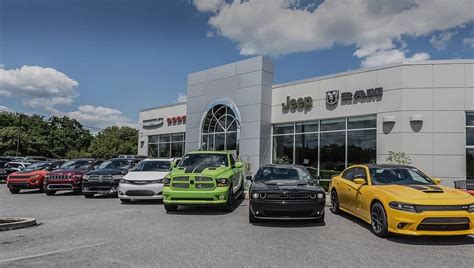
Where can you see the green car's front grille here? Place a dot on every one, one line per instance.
(204, 179)
(180, 185)
(196, 183)
(204, 186)
(180, 179)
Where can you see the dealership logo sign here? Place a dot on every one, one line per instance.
(153, 123)
(332, 96)
(300, 103)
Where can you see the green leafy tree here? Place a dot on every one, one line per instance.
(67, 135)
(113, 141)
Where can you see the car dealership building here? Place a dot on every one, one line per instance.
(329, 122)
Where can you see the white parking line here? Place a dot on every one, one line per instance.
(50, 253)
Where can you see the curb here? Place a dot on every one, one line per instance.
(17, 224)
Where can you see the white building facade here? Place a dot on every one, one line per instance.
(330, 122)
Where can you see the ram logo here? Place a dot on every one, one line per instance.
(332, 97)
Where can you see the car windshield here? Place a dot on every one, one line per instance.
(208, 160)
(77, 164)
(116, 164)
(37, 166)
(15, 165)
(266, 174)
(399, 176)
(152, 165)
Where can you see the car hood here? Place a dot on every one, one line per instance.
(293, 186)
(107, 171)
(145, 175)
(204, 171)
(30, 173)
(68, 171)
(426, 194)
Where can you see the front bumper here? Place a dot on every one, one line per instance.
(104, 187)
(64, 185)
(217, 196)
(24, 183)
(140, 192)
(433, 223)
(287, 209)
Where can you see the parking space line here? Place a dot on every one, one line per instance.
(50, 253)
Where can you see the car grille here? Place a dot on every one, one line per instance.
(140, 193)
(203, 179)
(444, 224)
(294, 213)
(180, 179)
(99, 177)
(141, 182)
(423, 208)
(59, 177)
(199, 183)
(294, 196)
(20, 177)
(60, 186)
(180, 185)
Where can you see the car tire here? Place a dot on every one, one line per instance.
(125, 201)
(14, 191)
(88, 195)
(252, 218)
(49, 192)
(171, 208)
(242, 191)
(41, 189)
(378, 220)
(229, 205)
(335, 203)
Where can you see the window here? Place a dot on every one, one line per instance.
(327, 145)
(166, 145)
(470, 144)
(219, 129)
(360, 173)
(348, 174)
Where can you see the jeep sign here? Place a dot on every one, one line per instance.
(300, 103)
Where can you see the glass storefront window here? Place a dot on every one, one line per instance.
(283, 149)
(283, 129)
(361, 146)
(305, 127)
(333, 124)
(333, 153)
(322, 144)
(470, 162)
(306, 149)
(166, 145)
(470, 144)
(362, 122)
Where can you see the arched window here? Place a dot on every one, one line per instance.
(220, 129)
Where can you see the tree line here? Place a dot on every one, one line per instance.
(61, 137)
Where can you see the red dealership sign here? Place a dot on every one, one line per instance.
(176, 120)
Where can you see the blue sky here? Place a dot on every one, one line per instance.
(101, 61)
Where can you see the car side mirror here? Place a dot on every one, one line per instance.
(359, 181)
(239, 165)
(437, 180)
(249, 178)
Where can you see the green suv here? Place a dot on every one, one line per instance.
(204, 178)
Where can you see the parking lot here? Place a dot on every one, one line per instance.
(74, 231)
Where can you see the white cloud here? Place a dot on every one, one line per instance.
(38, 86)
(98, 116)
(276, 27)
(182, 97)
(440, 42)
(5, 109)
(2, 66)
(208, 5)
(382, 57)
(468, 41)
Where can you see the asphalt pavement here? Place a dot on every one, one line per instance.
(101, 232)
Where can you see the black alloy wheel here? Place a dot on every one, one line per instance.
(378, 220)
(335, 203)
(49, 192)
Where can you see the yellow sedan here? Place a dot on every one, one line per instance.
(402, 200)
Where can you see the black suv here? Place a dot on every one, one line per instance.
(105, 179)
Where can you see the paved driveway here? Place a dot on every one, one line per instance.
(74, 231)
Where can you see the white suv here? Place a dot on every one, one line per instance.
(145, 180)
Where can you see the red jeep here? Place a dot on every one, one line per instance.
(31, 177)
(69, 176)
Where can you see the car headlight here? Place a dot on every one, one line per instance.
(124, 181)
(255, 195)
(471, 208)
(117, 177)
(165, 181)
(402, 206)
(222, 182)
